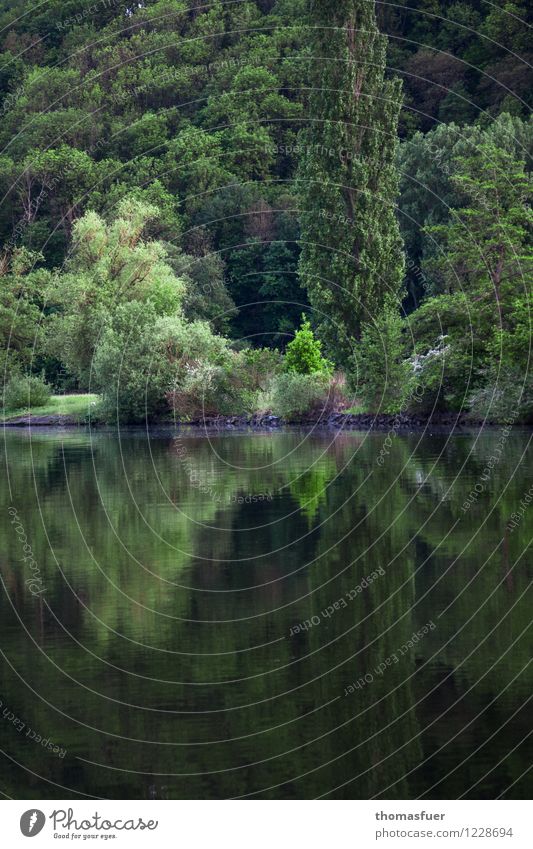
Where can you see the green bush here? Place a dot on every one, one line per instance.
(26, 392)
(296, 396)
(131, 367)
(507, 396)
(145, 366)
(449, 354)
(379, 372)
(260, 366)
(203, 389)
(304, 353)
(222, 382)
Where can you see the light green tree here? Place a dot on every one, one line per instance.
(110, 264)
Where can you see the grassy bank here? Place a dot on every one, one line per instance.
(74, 406)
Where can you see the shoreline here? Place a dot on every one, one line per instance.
(338, 421)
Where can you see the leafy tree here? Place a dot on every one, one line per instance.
(486, 246)
(304, 353)
(206, 296)
(22, 290)
(111, 264)
(429, 193)
(351, 261)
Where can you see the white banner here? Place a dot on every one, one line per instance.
(267, 824)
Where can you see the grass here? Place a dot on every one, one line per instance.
(75, 406)
(357, 408)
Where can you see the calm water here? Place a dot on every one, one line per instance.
(152, 642)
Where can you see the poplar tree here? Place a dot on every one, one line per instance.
(352, 260)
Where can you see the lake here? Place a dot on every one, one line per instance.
(287, 614)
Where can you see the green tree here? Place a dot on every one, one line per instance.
(304, 353)
(21, 303)
(111, 264)
(476, 336)
(486, 246)
(351, 261)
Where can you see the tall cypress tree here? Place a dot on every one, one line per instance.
(352, 260)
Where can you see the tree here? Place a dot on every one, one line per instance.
(351, 261)
(485, 268)
(111, 264)
(21, 303)
(429, 194)
(486, 246)
(304, 353)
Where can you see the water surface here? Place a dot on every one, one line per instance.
(270, 615)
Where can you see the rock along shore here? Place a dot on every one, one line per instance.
(337, 421)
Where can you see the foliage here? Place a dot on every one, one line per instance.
(485, 262)
(22, 289)
(143, 358)
(130, 366)
(430, 193)
(26, 391)
(295, 396)
(232, 383)
(206, 296)
(379, 372)
(506, 395)
(351, 261)
(304, 352)
(448, 354)
(154, 163)
(485, 248)
(111, 265)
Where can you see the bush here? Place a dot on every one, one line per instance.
(296, 396)
(379, 372)
(226, 383)
(26, 391)
(131, 367)
(505, 396)
(260, 365)
(304, 353)
(146, 365)
(447, 342)
(439, 378)
(204, 389)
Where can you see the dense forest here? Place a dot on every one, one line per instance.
(283, 206)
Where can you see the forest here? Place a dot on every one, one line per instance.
(287, 207)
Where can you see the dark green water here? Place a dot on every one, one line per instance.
(147, 635)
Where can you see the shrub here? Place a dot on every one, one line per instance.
(131, 366)
(505, 396)
(226, 383)
(194, 393)
(439, 377)
(379, 372)
(260, 365)
(304, 353)
(296, 396)
(146, 365)
(451, 343)
(26, 391)
(204, 389)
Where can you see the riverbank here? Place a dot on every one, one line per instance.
(59, 411)
(75, 411)
(338, 421)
